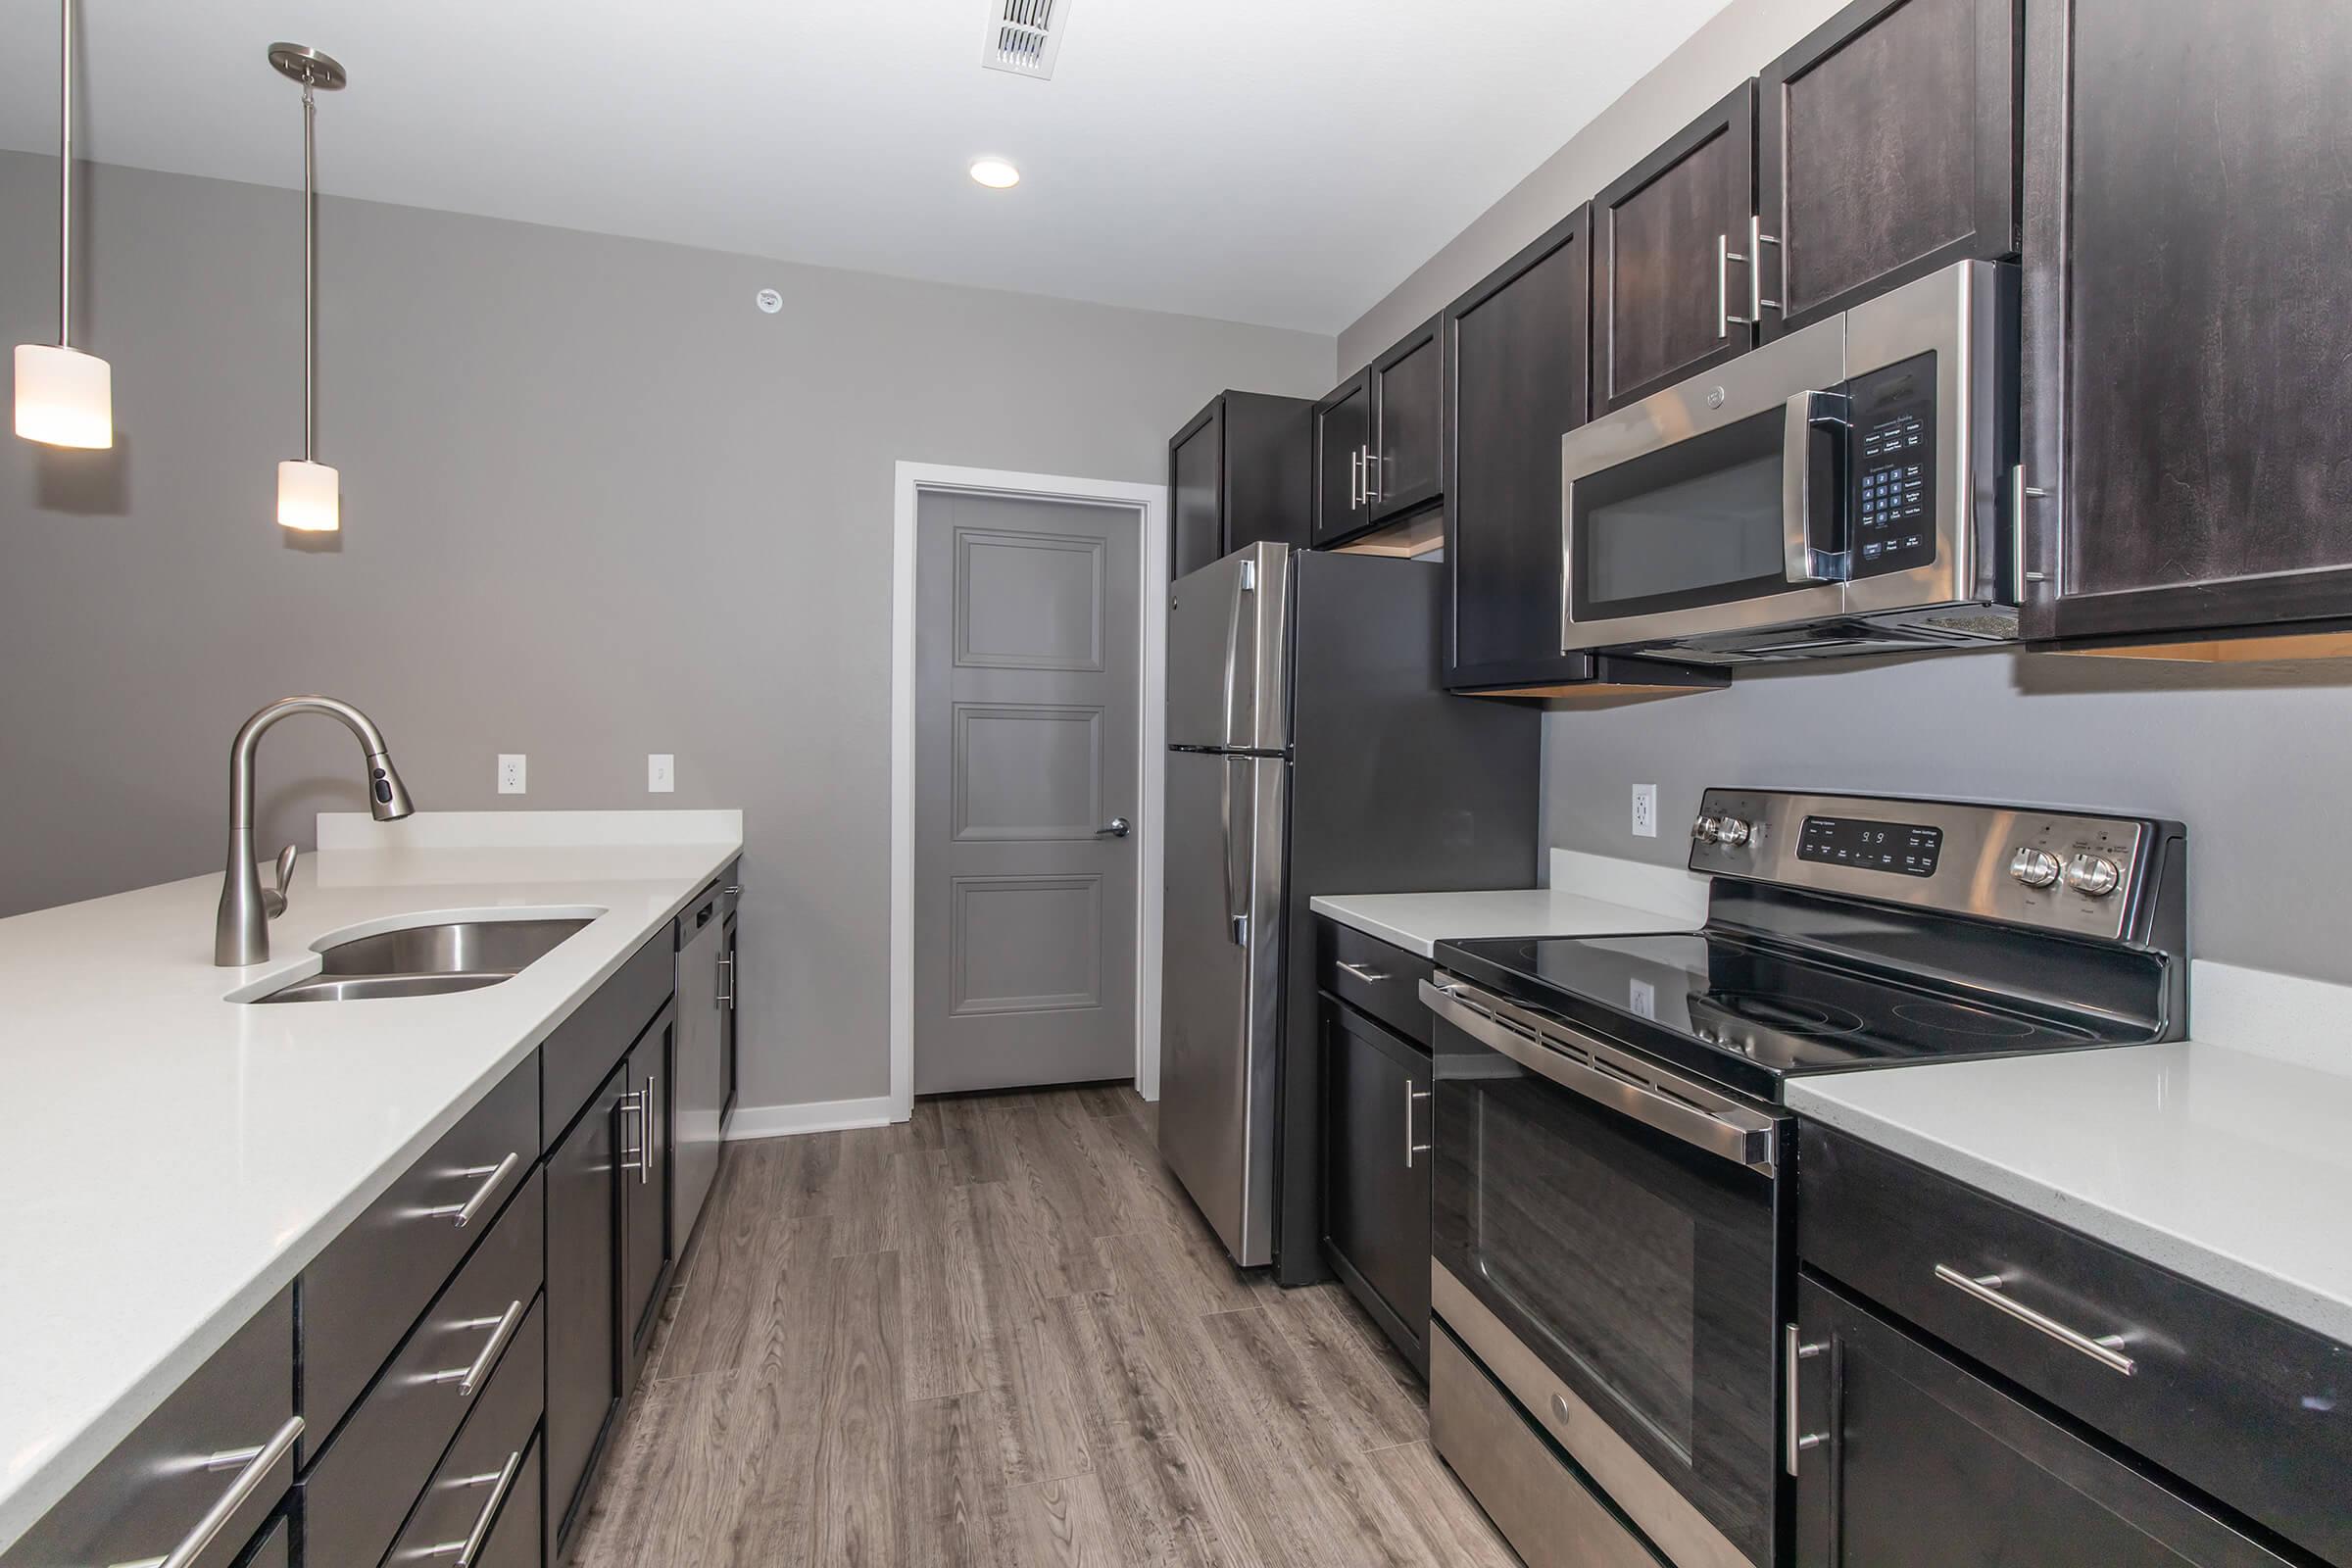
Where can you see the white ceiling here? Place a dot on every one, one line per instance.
(1287, 162)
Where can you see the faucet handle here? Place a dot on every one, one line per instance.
(274, 899)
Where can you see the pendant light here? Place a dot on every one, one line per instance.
(309, 493)
(64, 397)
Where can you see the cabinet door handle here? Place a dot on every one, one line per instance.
(1793, 1352)
(493, 1178)
(1725, 256)
(465, 1553)
(2106, 1350)
(645, 1129)
(632, 1157)
(1412, 1097)
(470, 1377)
(1371, 481)
(1356, 478)
(253, 1468)
(1757, 239)
(726, 998)
(1370, 977)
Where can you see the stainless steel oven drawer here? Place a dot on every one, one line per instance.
(1375, 976)
(156, 1492)
(1544, 1508)
(358, 1491)
(2253, 1410)
(485, 1492)
(361, 1294)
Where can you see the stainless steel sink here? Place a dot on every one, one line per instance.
(429, 960)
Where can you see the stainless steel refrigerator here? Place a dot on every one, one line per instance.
(1311, 751)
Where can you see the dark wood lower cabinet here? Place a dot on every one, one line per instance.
(645, 1240)
(1915, 1458)
(583, 1301)
(1376, 1172)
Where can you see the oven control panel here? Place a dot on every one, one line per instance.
(1893, 463)
(2087, 875)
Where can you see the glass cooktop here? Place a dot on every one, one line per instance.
(1749, 1013)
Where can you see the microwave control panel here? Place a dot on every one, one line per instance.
(1894, 468)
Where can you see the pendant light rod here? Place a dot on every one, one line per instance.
(309, 269)
(65, 176)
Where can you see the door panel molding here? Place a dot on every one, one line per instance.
(1040, 716)
(969, 652)
(1148, 500)
(968, 891)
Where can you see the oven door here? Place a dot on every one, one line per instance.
(1714, 506)
(1606, 1238)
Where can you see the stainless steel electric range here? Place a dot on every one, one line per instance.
(1613, 1261)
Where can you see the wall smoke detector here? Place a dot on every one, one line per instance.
(1025, 36)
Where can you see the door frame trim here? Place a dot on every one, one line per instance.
(1150, 503)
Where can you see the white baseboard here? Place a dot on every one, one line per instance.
(818, 1116)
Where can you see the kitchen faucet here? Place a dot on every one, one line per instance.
(241, 935)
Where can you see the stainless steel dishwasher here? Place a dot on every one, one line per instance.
(697, 1088)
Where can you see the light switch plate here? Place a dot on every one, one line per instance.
(1645, 810)
(510, 774)
(661, 773)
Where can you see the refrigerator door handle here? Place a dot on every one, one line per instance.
(1237, 920)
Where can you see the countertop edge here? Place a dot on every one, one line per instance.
(1595, 916)
(2183, 1254)
(25, 1501)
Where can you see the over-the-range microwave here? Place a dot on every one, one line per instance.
(1844, 489)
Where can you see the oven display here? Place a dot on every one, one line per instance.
(1905, 847)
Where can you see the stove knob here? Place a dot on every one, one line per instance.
(1703, 829)
(2093, 875)
(1731, 830)
(2035, 868)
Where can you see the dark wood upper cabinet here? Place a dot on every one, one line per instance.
(1520, 346)
(1342, 440)
(1238, 474)
(1672, 262)
(1887, 149)
(2188, 352)
(1408, 400)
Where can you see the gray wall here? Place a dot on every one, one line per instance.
(596, 504)
(1735, 45)
(2254, 761)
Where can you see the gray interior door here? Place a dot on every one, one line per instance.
(1026, 714)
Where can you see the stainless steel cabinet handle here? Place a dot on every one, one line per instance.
(469, 1552)
(1356, 478)
(645, 1130)
(733, 889)
(1370, 977)
(493, 1178)
(726, 998)
(470, 1377)
(1371, 485)
(1757, 239)
(256, 1465)
(1793, 1352)
(1412, 1097)
(632, 1157)
(1725, 320)
(2106, 1350)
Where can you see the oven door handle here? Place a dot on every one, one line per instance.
(1677, 1107)
(1814, 439)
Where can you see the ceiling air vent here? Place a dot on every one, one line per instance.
(1024, 37)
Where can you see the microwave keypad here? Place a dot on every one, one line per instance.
(1894, 525)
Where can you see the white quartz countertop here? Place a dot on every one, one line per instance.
(1590, 896)
(2229, 1165)
(174, 1158)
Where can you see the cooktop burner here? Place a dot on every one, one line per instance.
(1749, 1011)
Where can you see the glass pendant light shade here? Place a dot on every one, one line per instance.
(310, 497)
(64, 397)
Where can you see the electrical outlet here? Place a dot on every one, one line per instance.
(1645, 810)
(661, 773)
(510, 774)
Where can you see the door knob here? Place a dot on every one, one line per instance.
(1115, 828)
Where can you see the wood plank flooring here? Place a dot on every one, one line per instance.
(998, 1336)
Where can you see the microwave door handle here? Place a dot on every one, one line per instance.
(1810, 547)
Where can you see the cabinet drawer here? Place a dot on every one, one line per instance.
(359, 1298)
(486, 1488)
(576, 1058)
(148, 1497)
(358, 1491)
(1383, 980)
(2244, 1405)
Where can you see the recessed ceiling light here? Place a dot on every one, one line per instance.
(995, 174)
